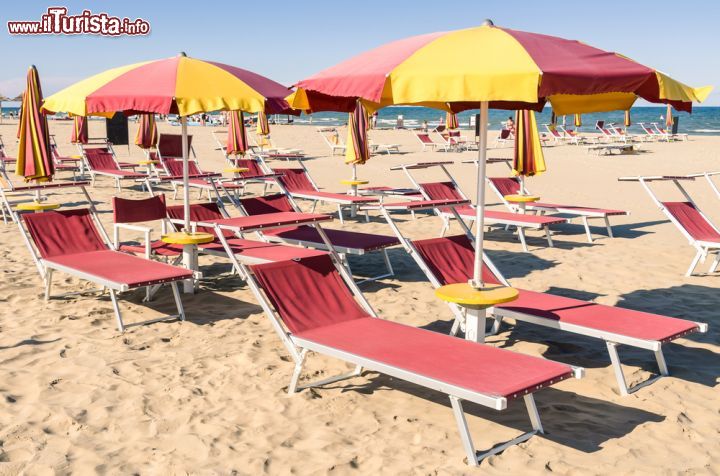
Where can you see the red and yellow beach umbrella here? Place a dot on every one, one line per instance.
(357, 149)
(147, 134)
(451, 120)
(79, 133)
(528, 159)
(34, 161)
(237, 137)
(178, 85)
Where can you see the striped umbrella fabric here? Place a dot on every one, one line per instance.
(628, 119)
(578, 120)
(357, 150)
(237, 137)
(263, 127)
(553, 118)
(451, 120)
(147, 135)
(34, 161)
(79, 133)
(669, 117)
(528, 159)
(510, 69)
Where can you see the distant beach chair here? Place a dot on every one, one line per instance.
(672, 135)
(332, 138)
(100, 161)
(504, 136)
(73, 242)
(650, 132)
(336, 320)
(266, 145)
(387, 148)
(574, 136)
(427, 142)
(449, 190)
(695, 226)
(557, 136)
(608, 134)
(503, 186)
(343, 241)
(6, 161)
(449, 260)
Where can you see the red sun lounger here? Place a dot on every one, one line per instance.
(315, 309)
(344, 242)
(503, 186)
(103, 163)
(695, 226)
(68, 241)
(449, 260)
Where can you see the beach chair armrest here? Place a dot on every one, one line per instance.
(147, 231)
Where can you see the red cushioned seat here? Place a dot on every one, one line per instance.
(478, 368)
(157, 247)
(121, 268)
(340, 238)
(297, 182)
(578, 209)
(262, 250)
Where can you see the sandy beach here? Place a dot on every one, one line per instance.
(207, 396)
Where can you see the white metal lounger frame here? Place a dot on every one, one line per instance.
(47, 267)
(341, 250)
(703, 248)
(299, 348)
(447, 216)
(339, 146)
(6, 203)
(612, 340)
(584, 215)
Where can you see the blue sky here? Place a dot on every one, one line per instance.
(287, 41)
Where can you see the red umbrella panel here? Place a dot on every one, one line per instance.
(237, 136)
(80, 130)
(34, 161)
(147, 135)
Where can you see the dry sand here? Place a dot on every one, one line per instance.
(207, 395)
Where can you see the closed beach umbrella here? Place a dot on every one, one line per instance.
(237, 137)
(490, 67)
(178, 85)
(147, 135)
(451, 120)
(628, 121)
(578, 120)
(80, 130)
(357, 150)
(528, 159)
(263, 128)
(33, 160)
(669, 117)
(553, 118)
(20, 98)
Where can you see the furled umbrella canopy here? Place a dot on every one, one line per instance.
(147, 135)
(357, 150)
(628, 119)
(34, 161)
(451, 120)
(79, 133)
(237, 136)
(528, 159)
(578, 120)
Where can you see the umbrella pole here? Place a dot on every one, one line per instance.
(186, 173)
(476, 282)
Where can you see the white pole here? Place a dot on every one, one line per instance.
(476, 282)
(186, 173)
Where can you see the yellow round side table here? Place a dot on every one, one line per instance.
(38, 207)
(521, 200)
(353, 183)
(476, 301)
(189, 242)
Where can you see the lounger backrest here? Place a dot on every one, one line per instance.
(425, 138)
(174, 167)
(94, 151)
(134, 211)
(441, 191)
(451, 259)
(308, 293)
(102, 161)
(295, 180)
(200, 212)
(692, 221)
(268, 204)
(506, 185)
(63, 232)
(252, 166)
(170, 145)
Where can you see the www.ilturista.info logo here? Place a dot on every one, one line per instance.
(57, 22)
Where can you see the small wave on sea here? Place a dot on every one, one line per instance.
(706, 131)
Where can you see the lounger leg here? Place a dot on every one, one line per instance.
(521, 235)
(445, 226)
(178, 301)
(117, 185)
(694, 263)
(533, 413)
(587, 229)
(340, 214)
(48, 283)
(116, 308)
(548, 235)
(388, 264)
(497, 321)
(292, 388)
(467, 442)
(662, 365)
(715, 263)
(615, 359)
(609, 228)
